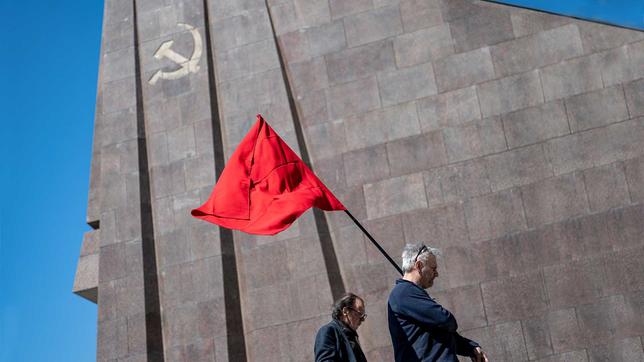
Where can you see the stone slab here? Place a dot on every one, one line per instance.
(395, 195)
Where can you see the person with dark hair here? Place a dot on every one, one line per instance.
(421, 329)
(337, 341)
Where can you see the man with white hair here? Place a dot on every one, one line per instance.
(420, 328)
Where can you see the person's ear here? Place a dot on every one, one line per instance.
(418, 265)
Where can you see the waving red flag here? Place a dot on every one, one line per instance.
(264, 187)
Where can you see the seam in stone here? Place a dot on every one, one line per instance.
(545, 290)
(583, 180)
(628, 184)
(487, 321)
(628, 110)
(523, 210)
(287, 322)
(525, 344)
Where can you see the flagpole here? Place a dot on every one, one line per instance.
(375, 242)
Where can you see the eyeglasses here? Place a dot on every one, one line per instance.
(423, 248)
(363, 316)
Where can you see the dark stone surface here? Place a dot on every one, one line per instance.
(511, 139)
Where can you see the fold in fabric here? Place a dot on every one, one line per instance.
(264, 187)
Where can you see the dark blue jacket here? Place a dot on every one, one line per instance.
(335, 342)
(421, 329)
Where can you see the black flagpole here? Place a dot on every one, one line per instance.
(375, 242)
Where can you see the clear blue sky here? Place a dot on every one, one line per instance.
(626, 13)
(49, 52)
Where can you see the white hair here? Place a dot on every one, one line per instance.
(410, 255)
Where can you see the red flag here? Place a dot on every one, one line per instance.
(264, 187)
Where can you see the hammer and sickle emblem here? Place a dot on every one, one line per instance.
(187, 65)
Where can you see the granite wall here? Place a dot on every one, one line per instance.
(513, 140)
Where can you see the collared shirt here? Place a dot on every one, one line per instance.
(421, 329)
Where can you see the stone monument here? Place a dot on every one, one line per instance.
(511, 139)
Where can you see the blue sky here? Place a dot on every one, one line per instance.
(49, 55)
(626, 13)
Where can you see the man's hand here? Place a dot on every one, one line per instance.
(479, 355)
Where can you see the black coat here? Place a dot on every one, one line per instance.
(333, 343)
